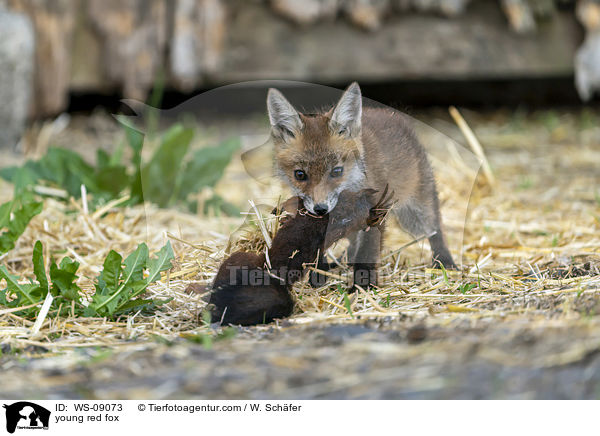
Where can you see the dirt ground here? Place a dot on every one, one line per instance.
(520, 320)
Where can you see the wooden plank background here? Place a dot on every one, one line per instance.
(123, 45)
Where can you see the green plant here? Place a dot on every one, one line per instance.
(445, 274)
(15, 215)
(550, 119)
(525, 183)
(207, 339)
(117, 288)
(67, 170)
(168, 178)
(348, 305)
(387, 302)
(121, 282)
(466, 287)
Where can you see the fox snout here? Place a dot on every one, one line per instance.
(322, 206)
(321, 209)
(318, 209)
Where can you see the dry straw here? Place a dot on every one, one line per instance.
(527, 251)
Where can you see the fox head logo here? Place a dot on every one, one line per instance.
(319, 155)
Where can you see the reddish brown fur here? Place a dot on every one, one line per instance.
(316, 151)
(379, 142)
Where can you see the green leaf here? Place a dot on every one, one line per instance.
(116, 158)
(111, 272)
(118, 286)
(161, 176)
(133, 274)
(161, 302)
(22, 293)
(5, 210)
(144, 304)
(23, 215)
(135, 263)
(102, 159)
(135, 304)
(17, 225)
(8, 173)
(135, 140)
(63, 279)
(69, 171)
(206, 167)
(160, 263)
(112, 180)
(23, 178)
(216, 204)
(105, 160)
(69, 265)
(347, 304)
(445, 274)
(38, 266)
(170, 176)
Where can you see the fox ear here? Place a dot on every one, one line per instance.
(346, 117)
(285, 121)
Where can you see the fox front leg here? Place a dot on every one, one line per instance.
(366, 257)
(316, 279)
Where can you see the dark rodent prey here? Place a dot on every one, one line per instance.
(247, 292)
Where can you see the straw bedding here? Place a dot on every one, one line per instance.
(530, 247)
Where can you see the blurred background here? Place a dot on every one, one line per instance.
(73, 55)
(66, 67)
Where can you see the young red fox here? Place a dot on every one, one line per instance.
(353, 148)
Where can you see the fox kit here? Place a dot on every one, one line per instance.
(351, 147)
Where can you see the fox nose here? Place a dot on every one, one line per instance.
(320, 209)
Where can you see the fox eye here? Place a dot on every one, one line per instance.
(337, 171)
(300, 175)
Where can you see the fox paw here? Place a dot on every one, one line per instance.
(444, 261)
(365, 276)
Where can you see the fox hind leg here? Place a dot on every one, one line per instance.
(441, 254)
(419, 220)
